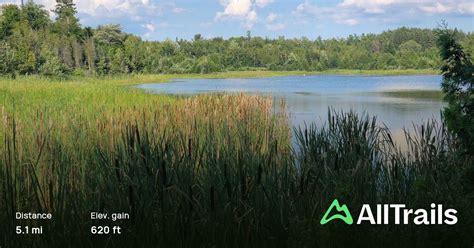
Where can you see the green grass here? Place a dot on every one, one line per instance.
(25, 96)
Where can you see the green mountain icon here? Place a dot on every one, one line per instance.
(346, 216)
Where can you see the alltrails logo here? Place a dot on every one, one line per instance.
(347, 217)
(401, 215)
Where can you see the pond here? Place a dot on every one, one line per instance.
(397, 101)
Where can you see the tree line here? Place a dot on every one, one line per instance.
(31, 42)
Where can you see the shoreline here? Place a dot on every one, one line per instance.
(164, 78)
(134, 79)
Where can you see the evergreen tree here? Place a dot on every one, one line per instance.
(458, 80)
(66, 21)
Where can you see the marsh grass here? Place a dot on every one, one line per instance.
(178, 170)
(355, 159)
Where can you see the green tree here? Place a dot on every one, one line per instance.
(458, 80)
(51, 65)
(468, 43)
(7, 59)
(23, 41)
(134, 52)
(35, 15)
(409, 54)
(9, 15)
(66, 21)
(205, 65)
(118, 64)
(102, 66)
(109, 35)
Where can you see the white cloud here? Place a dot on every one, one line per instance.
(134, 9)
(307, 8)
(272, 17)
(111, 8)
(237, 8)
(412, 6)
(136, 12)
(252, 16)
(436, 8)
(353, 12)
(449, 7)
(275, 26)
(150, 27)
(243, 10)
(347, 21)
(263, 3)
(96, 7)
(466, 8)
(206, 24)
(48, 4)
(369, 6)
(339, 14)
(9, 2)
(179, 10)
(272, 24)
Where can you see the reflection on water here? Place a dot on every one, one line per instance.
(309, 97)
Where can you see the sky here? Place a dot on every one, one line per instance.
(162, 19)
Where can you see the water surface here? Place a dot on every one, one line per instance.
(308, 97)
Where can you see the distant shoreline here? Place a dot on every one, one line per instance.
(162, 78)
(348, 72)
(134, 79)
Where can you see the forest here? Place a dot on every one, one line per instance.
(33, 42)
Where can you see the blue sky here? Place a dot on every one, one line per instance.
(161, 19)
